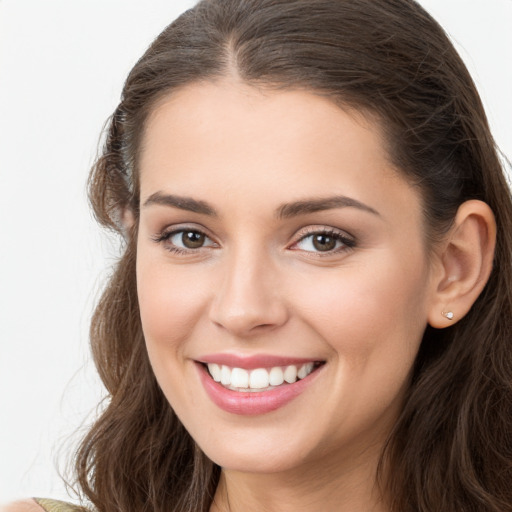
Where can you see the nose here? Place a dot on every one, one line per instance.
(250, 299)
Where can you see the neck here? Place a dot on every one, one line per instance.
(330, 487)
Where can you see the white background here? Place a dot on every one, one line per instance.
(62, 66)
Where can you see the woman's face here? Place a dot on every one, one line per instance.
(275, 237)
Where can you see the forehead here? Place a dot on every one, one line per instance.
(276, 116)
(219, 138)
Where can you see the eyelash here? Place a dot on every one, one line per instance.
(347, 241)
(165, 236)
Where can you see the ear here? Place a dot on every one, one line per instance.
(464, 263)
(127, 220)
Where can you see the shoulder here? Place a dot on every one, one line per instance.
(21, 506)
(40, 505)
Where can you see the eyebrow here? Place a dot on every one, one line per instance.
(285, 211)
(316, 205)
(181, 202)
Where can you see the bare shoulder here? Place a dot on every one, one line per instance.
(21, 506)
(41, 505)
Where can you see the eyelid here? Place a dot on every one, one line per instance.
(348, 241)
(164, 236)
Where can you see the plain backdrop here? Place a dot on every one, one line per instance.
(62, 66)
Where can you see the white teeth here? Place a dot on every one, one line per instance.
(290, 374)
(214, 370)
(305, 370)
(225, 375)
(240, 378)
(276, 376)
(260, 378)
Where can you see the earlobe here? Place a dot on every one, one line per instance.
(466, 258)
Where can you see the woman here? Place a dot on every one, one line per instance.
(313, 308)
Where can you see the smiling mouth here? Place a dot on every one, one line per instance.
(260, 379)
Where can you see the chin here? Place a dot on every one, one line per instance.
(273, 458)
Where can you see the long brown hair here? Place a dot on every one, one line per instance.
(451, 448)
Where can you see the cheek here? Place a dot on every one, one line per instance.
(373, 322)
(170, 307)
(370, 311)
(170, 302)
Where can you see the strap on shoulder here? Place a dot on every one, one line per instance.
(57, 506)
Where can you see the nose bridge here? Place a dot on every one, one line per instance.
(249, 297)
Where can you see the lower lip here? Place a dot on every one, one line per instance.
(252, 403)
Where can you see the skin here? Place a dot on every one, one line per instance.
(21, 506)
(259, 286)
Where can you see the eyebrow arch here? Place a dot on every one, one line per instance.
(316, 205)
(181, 202)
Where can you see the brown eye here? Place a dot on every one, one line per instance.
(322, 242)
(331, 242)
(192, 239)
(183, 240)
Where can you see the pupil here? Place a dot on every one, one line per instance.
(192, 239)
(324, 242)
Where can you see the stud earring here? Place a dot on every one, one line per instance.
(448, 314)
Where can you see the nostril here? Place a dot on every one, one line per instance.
(242, 322)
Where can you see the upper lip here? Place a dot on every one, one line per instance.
(250, 362)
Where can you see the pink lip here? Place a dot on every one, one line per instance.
(252, 403)
(252, 362)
